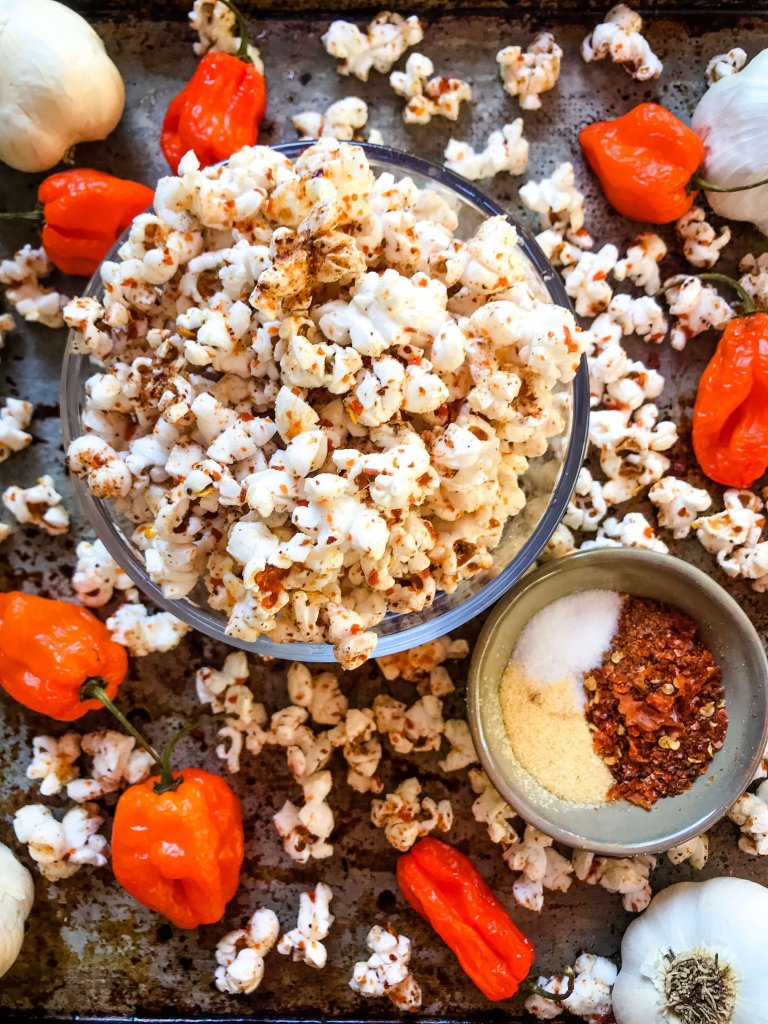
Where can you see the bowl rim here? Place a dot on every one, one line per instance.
(95, 510)
(687, 575)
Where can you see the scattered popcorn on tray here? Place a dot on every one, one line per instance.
(633, 531)
(40, 506)
(405, 817)
(587, 280)
(361, 749)
(642, 316)
(418, 728)
(423, 665)
(754, 278)
(631, 446)
(227, 691)
(240, 953)
(541, 867)
(505, 150)
(387, 38)
(587, 507)
(490, 809)
(97, 576)
(697, 306)
(7, 324)
(701, 243)
(750, 813)
(591, 996)
(15, 416)
(694, 852)
(733, 536)
(386, 972)
(319, 694)
(32, 301)
(440, 96)
(641, 264)
(305, 941)
(61, 848)
(722, 65)
(54, 761)
(561, 543)
(342, 120)
(626, 875)
(304, 830)
(560, 206)
(216, 24)
(619, 37)
(462, 752)
(678, 504)
(142, 632)
(117, 762)
(528, 73)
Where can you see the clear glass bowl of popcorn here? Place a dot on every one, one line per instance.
(548, 484)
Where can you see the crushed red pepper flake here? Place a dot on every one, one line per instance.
(656, 705)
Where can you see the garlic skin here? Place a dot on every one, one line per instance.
(731, 122)
(17, 893)
(713, 932)
(58, 87)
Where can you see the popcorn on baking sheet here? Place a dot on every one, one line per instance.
(142, 632)
(490, 809)
(540, 865)
(386, 972)
(559, 204)
(734, 537)
(626, 875)
(305, 941)
(505, 150)
(591, 997)
(216, 24)
(754, 278)
(641, 315)
(528, 73)
(117, 762)
(428, 97)
(15, 417)
(694, 852)
(462, 752)
(587, 280)
(21, 276)
(419, 727)
(61, 848)
(633, 531)
(54, 761)
(387, 38)
(342, 120)
(641, 264)
(561, 543)
(750, 813)
(97, 576)
(40, 505)
(678, 504)
(361, 749)
(305, 830)
(619, 37)
(226, 690)
(697, 307)
(406, 817)
(7, 324)
(723, 65)
(423, 665)
(701, 243)
(240, 953)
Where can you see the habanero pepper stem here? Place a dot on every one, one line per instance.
(242, 28)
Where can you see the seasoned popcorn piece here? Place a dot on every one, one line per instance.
(694, 852)
(15, 416)
(587, 508)
(540, 866)
(633, 531)
(305, 941)
(107, 473)
(7, 324)
(117, 762)
(591, 996)
(61, 848)
(97, 575)
(423, 665)
(361, 749)
(642, 316)
(560, 206)
(740, 524)
(240, 953)
(505, 150)
(40, 506)
(641, 264)
(53, 761)
(305, 830)
(342, 120)
(386, 972)
(750, 813)
(31, 300)
(678, 503)
(320, 694)
(142, 632)
(722, 65)
(698, 308)
(440, 96)
(754, 278)
(626, 875)
(462, 752)
(491, 810)
(419, 727)
(619, 37)
(587, 280)
(527, 74)
(387, 38)
(405, 817)
(701, 243)
(215, 24)
(561, 543)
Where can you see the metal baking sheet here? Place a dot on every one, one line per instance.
(90, 951)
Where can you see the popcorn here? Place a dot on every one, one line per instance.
(642, 316)
(386, 972)
(53, 761)
(754, 278)
(216, 24)
(677, 503)
(561, 543)
(722, 65)
(527, 74)
(361, 749)
(341, 120)
(97, 575)
(423, 665)
(116, 763)
(698, 308)
(462, 752)
(750, 813)
(505, 150)
(320, 694)
(641, 264)
(701, 243)
(31, 300)
(440, 96)
(694, 852)
(240, 953)
(734, 536)
(633, 531)
(587, 281)
(630, 449)
(406, 818)
(305, 941)
(143, 633)
(559, 204)
(619, 38)
(491, 810)
(304, 831)
(15, 416)
(106, 473)
(419, 727)
(540, 866)
(591, 996)
(39, 506)
(61, 848)
(7, 324)
(587, 508)
(387, 38)
(626, 875)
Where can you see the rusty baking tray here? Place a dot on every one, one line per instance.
(90, 952)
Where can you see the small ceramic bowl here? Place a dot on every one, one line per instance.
(619, 828)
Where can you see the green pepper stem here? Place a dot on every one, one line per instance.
(35, 215)
(92, 689)
(242, 29)
(697, 182)
(747, 302)
(555, 997)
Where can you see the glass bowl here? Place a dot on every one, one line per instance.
(548, 485)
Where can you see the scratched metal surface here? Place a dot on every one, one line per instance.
(90, 950)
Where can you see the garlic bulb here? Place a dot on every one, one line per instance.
(58, 87)
(16, 895)
(732, 121)
(696, 956)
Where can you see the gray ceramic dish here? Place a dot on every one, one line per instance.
(619, 828)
